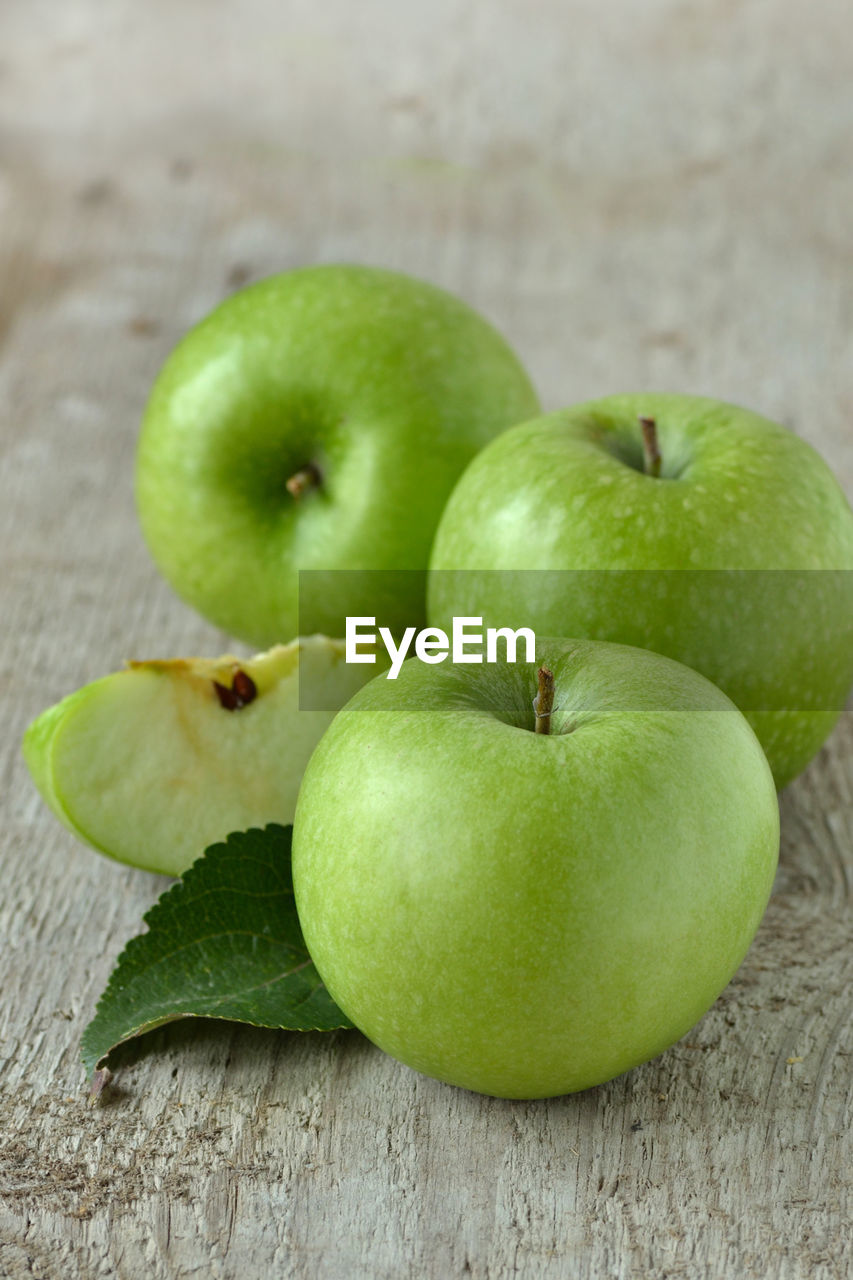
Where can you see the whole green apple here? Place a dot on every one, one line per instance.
(677, 523)
(317, 420)
(152, 764)
(529, 913)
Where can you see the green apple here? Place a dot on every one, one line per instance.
(152, 764)
(681, 524)
(317, 420)
(531, 913)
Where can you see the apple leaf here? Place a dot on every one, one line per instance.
(224, 942)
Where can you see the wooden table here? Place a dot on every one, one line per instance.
(652, 195)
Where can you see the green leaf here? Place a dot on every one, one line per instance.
(224, 942)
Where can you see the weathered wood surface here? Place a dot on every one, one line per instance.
(652, 195)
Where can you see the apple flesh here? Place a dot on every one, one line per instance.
(317, 420)
(152, 764)
(736, 559)
(525, 913)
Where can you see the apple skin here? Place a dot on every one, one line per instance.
(386, 384)
(566, 493)
(147, 766)
(528, 915)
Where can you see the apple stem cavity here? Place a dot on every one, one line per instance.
(543, 703)
(651, 450)
(304, 480)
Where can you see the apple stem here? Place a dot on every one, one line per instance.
(543, 703)
(651, 450)
(100, 1079)
(307, 477)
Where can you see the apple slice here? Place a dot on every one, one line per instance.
(152, 764)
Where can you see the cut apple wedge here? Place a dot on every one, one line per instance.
(152, 764)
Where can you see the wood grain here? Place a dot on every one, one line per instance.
(655, 197)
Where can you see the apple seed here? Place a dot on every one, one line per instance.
(243, 691)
